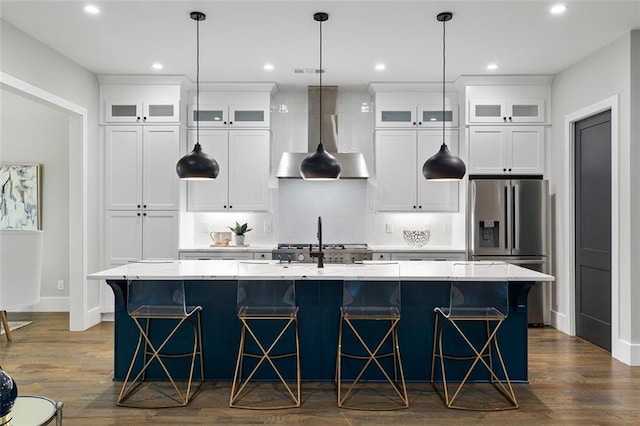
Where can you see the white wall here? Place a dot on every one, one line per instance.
(33, 62)
(601, 75)
(46, 143)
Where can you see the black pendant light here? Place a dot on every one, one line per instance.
(444, 165)
(197, 165)
(320, 165)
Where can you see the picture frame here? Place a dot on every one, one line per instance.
(20, 196)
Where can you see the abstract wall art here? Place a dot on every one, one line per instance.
(20, 205)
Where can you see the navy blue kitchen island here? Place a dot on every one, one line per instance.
(425, 285)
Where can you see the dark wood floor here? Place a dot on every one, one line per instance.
(572, 382)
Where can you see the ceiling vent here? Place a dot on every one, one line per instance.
(308, 71)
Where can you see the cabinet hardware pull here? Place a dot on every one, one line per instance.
(138, 118)
(224, 122)
(414, 123)
(419, 207)
(414, 207)
(138, 214)
(231, 122)
(144, 206)
(138, 205)
(504, 118)
(419, 123)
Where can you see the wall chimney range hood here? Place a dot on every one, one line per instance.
(353, 164)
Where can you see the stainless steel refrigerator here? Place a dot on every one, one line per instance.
(508, 221)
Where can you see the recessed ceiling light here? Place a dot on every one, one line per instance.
(157, 66)
(268, 67)
(381, 67)
(492, 67)
(91, 9)
(558, 9)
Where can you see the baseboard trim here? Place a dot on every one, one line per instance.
(626, 352)
(47, 304)
(560, 322)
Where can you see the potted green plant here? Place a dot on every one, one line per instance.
(240, 230)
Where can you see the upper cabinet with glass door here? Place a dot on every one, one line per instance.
(506, 111)
(407, 116)
(141, 111)
(240, 116)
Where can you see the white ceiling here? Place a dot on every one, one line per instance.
(240, 36)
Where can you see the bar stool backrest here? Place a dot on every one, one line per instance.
(150, 296)
(478, 299)
(376, 287)
(272, 295)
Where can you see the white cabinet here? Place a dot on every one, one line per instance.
(400, 184)
(140, 167)
(141, 193)
(218, 255)
(142, 111)
(244, 158)
(497, 150)
(135, 235)
(506, 111)
(237, 116)
(411, 116)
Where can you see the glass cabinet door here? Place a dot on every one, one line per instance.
(396, 116)
(493, 111)
(123, 111)
(208, 116)
(433, 116)
(248, 116)
(526, 111)
(161, 112)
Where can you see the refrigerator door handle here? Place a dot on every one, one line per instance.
(509, 218)
(516, 214)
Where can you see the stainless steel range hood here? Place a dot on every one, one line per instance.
(353, 164)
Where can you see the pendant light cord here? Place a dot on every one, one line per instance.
(320, 141)
(198, 81)
(444, 62)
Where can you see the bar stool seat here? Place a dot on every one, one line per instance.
(161, 302)
(368, 336)
(486, 303)
(269, 316)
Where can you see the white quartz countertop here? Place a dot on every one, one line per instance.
(230, 247)
(269, 269)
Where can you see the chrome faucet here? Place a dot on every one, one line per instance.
(319, 254)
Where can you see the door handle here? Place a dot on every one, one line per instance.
(507, 218)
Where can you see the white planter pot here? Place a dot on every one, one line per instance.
(240, 240)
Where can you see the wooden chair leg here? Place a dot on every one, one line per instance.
(5, 324)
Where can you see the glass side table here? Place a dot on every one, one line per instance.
(32, 410)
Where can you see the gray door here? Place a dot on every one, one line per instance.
(593, 228)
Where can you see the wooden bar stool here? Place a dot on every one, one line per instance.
(368, 335)
(269, 316)
(486, 303)
(161, 302)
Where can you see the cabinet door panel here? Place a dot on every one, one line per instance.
(395, 170)
(161, 111)
(432, 116)
(123, 174)
(396, 116)
(208, 116)
(161, 185)
(123, 239)
(248, 116)
(210, 195)
(434, 195)
(117, 111)
(526, 150)
(487, 111)
(160, 235)
(249, 162)
(487, 150)
(526, 111)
